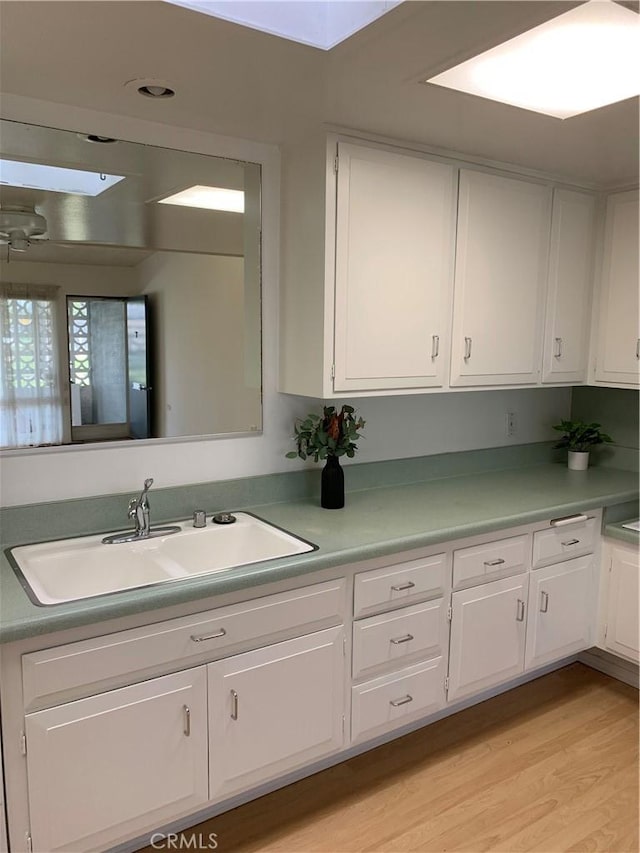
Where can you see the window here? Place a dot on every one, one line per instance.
(30, 392)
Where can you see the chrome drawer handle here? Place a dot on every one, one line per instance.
(467, 349)
(571, 542)
(578, 518)
(402, 586)
(638, 348)
(520, 613)
(216, 636)
(497, 562)
(398, 640)
(187, 720)
(234, 705)
(544, 601)
(403, 701)
(557, 353)
(435, 346)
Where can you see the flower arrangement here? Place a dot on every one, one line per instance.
(580, 437)
(331, 434)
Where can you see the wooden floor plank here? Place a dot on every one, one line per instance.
(549, 767)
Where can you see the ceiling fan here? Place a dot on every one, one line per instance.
(21, 227)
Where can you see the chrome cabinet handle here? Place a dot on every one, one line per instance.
(398, 640)
(435, 346)
(638, 348)
(520, 613)
(217, 635)
(571, 542)
(234, 705)
(402, 586)
(467, 349)
(557, 351)
(568, 519)
(544, 601)
(404, 700)
(187, 720)
(497, 562)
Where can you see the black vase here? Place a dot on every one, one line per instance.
(332, 488)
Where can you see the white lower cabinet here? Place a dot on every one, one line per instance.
(106, 766)
(104, 741)
(395, 699)
(622, 628)
(488, 625)
(275, 709)
(561, 611)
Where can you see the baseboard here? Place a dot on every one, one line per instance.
(616, 667)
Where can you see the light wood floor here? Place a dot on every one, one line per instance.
(551, 766)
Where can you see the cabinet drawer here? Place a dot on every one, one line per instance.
(395, 699)
(395, 637)
(84, 667)
(492, 559)
(400, 584)
(564, 543)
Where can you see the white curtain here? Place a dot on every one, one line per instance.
(30, 390)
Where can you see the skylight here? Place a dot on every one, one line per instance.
(209, 198)
(37, 176)
(319, 23)
(577, 62)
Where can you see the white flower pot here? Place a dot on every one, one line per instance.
(578, 460)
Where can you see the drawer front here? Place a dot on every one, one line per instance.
(490, 560)
(564, 543)
(390, 702)
(399, 585)
(396, 638)
(213, 634)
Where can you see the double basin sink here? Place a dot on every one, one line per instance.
(72, 569)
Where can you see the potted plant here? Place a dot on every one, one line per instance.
(327, 437)
(579, 438)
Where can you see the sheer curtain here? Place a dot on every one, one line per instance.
(30, 390)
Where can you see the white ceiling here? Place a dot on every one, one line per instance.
(239, 82)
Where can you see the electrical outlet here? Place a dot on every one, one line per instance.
(512, 427)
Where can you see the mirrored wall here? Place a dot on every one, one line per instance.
(129, 300)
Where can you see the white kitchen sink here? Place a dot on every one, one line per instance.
(72, 569)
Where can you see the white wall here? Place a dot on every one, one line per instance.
(397, 426)
(199, 321)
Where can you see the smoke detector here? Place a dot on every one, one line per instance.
(20, 227)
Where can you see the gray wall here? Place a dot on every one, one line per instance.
(617, 410)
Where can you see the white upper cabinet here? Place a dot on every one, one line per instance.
(501, 270)
(618, 337)
(566, 337)
(395, 226)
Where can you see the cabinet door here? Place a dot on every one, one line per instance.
(569, 287)
(275, 709)
(101, 768)
(622, 629)
(618, 349)
(501, 270)
(561, 611)
(395, 230)
(488, 625)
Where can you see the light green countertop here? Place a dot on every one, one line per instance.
(375, 522)
(623, 534)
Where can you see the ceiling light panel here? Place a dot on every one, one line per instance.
(209, 198)
(319, 23)
(577, 62)
(36, 176)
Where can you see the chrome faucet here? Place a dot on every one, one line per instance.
(139, 512)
